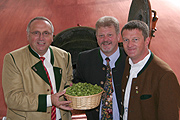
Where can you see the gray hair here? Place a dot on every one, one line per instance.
(39, 18)
(137, 24)
(108, 21)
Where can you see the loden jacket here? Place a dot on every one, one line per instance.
(25, 83)
(154, 93)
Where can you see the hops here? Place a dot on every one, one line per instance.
(83, 89)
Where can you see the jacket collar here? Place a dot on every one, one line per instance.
(39, 69)
(37, 56)
(122, 55)
(147, 64)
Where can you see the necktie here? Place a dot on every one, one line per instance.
(106, 112)
(53, 110)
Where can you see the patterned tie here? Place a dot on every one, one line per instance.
(107, 97)
(53, 110)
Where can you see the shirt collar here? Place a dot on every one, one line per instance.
(138, 66)
(142, 62)
(47, 55)
(113, 58)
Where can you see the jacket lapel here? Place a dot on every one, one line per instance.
(58, 76)
(57, 72)
(39, 69)
(118, 73)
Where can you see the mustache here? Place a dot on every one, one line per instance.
(106, 42)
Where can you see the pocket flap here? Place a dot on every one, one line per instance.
(144, 97)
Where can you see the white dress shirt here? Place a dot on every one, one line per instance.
(135, 69)
(113, 58)
(50, 70)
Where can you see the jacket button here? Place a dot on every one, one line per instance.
(103, 68)
(127, 76)
(122, 90)
(102, 82)
(48, 90)
(97, 110)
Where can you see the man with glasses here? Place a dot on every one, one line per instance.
(35, 76)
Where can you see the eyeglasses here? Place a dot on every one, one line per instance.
(38, 34)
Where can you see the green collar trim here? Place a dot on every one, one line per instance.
(52, 56)
(32, 52)
(37, 56)
(101, 59)
(147, 64)
(120, 57)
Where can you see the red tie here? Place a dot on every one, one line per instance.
(53, 110)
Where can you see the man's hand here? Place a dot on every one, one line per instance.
(60, 104)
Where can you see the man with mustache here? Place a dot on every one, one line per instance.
(91, 67)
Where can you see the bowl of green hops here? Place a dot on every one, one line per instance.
(84, 96)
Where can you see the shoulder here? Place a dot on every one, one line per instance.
(89, 56)
(19, 53)
(159, 68)
(59, 52)
(164, 72)
(91, 51)
(160, 64)
(18, 57)
(122, 52)
(60, 55)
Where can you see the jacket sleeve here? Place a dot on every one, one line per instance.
(69, 71)
(78, 77)
(14, 92)
(168, 97)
